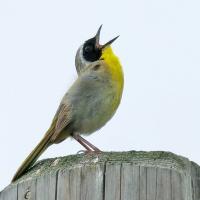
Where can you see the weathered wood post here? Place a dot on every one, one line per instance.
(109, 176)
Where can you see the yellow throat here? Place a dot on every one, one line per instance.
(114, 66)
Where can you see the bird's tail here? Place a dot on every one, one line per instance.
(34, 155)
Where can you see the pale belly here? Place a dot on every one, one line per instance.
(95, 112)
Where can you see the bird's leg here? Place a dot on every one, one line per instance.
(85, 143)
(90, 145)
(77, 138)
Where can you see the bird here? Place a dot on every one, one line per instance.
(89, 103)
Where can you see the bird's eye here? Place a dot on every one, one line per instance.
(88, 48)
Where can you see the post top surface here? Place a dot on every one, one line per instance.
(153, 159)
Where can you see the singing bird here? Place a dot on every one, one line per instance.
(89, 103)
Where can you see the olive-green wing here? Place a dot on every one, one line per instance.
(63, 119)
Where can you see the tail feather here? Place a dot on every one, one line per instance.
(34, 155)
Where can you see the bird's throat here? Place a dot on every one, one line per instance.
(114, 67)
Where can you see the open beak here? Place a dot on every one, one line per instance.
(97, 37)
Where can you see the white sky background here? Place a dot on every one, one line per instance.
(159, 47)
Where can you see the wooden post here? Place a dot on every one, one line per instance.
(109, 176)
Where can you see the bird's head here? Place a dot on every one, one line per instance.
(90, 51)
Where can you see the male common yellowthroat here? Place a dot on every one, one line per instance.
(89, 103)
